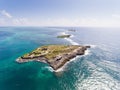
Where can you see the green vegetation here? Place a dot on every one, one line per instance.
(63, 36)
(55, 55)
(50, 51)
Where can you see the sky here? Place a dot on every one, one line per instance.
(84, 13)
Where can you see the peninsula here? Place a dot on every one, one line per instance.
(54, 55)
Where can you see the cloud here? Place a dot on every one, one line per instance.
(79, 21)
(6, 14)
(116, 16)
(2, 21)
(20, 21)
(10, 20)
(68, 22)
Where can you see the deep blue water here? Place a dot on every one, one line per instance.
(99, 69)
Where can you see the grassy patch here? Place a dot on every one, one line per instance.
(51, 51)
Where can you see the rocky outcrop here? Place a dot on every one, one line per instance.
(64, 36)
(58, 60)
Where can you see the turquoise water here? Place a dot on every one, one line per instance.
(97, 70)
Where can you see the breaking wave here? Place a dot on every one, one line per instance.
(69, 39)
(98, 80)
(87, 52)
(103, 72)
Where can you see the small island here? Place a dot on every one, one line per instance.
(72, 30)
(54, 55)
(64, 36)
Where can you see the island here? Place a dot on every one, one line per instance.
(54, 55)
(72, 30)
(64, 36)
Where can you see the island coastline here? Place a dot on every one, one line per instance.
(58, 60)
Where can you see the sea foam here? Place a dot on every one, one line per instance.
(87, 52)
(69, 39)
(99, 80)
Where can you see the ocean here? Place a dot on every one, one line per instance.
(98, 69)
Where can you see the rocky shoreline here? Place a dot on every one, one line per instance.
(58, 60)
(64, 36)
